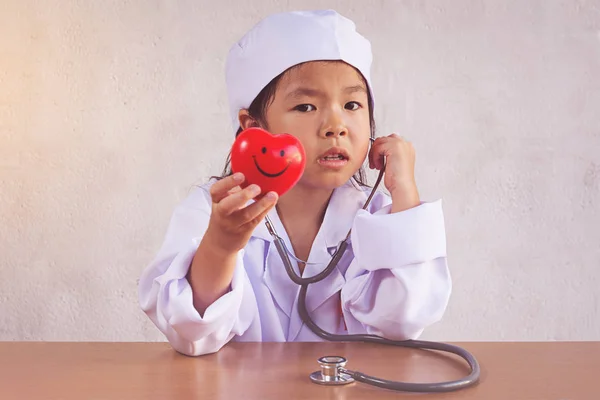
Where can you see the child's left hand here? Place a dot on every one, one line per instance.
(399, 178)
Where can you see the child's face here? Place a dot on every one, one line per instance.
(325, 105)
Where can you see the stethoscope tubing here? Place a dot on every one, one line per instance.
(447, 386)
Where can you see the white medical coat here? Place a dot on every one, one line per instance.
(392, 281)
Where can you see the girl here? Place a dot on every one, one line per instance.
(218, 277)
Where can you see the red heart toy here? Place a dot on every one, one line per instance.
(273, 162)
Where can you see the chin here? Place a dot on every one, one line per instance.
(325, 181)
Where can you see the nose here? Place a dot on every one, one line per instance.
(334, 125)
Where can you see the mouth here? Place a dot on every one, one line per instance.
(267, 174)
(336, 158)
(335, 154)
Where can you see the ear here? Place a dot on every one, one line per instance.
(246, 121)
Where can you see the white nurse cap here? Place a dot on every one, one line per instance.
(283, 40)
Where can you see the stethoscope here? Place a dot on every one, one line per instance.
(333, 371)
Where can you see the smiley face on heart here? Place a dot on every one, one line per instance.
(273, 162)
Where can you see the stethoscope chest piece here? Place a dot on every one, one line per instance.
(332, 372)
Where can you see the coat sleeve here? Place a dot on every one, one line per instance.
(165, 294)
(398, 283)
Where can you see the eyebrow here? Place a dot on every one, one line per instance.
(355, 88)
(310, 92)
(304, 91)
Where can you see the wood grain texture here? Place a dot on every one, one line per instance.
(43, 370)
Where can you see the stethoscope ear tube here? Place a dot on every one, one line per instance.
(281, 249)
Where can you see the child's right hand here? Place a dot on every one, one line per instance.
(232, 222)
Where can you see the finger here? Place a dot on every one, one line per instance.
(369, 155)
(233, 202)
(254, 213)
(376, 143)
(219, 189)
(377, 152)
(383, 150)
(234, 190)
(397, 148)
(401, 139)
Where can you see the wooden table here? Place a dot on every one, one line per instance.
(510, 371)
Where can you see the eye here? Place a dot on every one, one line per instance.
(264, 150)
(304, 107)
(352, 106)
(282, 153)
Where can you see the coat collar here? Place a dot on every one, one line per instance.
(339, 216)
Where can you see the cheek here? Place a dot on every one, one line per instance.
(363, 150)
(361, 135)
(361, 122)
(310, 147)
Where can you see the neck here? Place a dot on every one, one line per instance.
(303, 205)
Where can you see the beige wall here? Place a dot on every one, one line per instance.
(110, 111)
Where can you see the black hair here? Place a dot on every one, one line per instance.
(258, 110)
